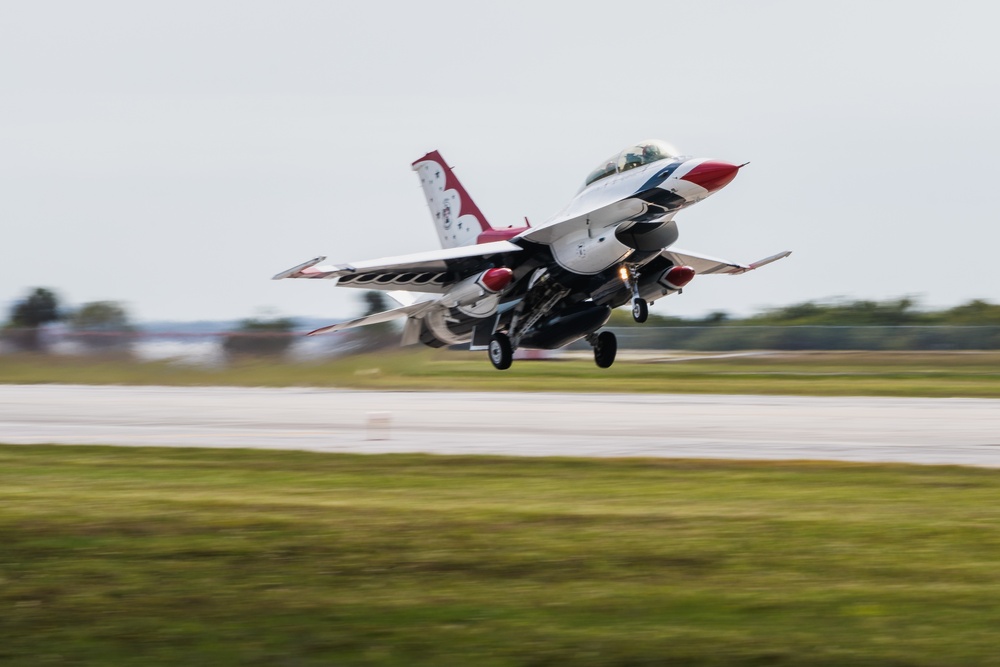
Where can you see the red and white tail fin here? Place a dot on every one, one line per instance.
(458, 220)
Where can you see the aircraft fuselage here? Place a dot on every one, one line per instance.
(611, 219)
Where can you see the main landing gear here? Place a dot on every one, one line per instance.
(501, 351)
(605, 345)
(605, 348)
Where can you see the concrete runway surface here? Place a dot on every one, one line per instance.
(914, 430)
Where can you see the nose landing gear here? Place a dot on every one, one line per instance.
(501, 351)
(640, 309)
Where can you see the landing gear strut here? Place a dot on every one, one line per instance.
(605, 348)
(543, 294)
(640, 309)
(501, 351)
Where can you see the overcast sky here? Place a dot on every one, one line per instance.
(175, 155)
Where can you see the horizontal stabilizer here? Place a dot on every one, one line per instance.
(403, 298)
(376, 318)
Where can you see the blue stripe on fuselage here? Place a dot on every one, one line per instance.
(660, 176)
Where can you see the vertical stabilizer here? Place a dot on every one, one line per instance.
(458, 220)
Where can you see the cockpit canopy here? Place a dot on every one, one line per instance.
(634, 156)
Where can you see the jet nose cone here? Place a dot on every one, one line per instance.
(712, 174)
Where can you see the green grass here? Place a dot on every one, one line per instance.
(975, 374)
(170, 556)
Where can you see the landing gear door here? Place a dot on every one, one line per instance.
(483, 332)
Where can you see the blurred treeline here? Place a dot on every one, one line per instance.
(106, 327)
(100, 325)
(40, 321)
(898, 324)
(840, 312)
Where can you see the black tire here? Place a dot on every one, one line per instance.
(501, 352)
(640, 310)
(605, 349)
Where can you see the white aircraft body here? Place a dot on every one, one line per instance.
(544, 286)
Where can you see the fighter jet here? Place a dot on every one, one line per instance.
(544, 286)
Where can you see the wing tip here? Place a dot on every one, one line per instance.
(299, 270)
(767, 260)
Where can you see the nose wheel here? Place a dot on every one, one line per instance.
(501, 351)
(640, 310)
(605, 349)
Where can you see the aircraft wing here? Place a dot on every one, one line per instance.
(421, 272)
(705, 265)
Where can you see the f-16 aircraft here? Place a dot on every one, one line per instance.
(545, 286)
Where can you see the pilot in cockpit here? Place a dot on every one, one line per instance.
(651, 153)
(632, 160)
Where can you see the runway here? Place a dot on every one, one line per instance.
(912, 430)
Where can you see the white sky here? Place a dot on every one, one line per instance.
(175, 155)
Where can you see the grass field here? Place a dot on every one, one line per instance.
(129, 556)
(973, 374)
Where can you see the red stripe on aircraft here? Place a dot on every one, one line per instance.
(491, 235)
(451, 182)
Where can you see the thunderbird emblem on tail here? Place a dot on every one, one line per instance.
(544, 286)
